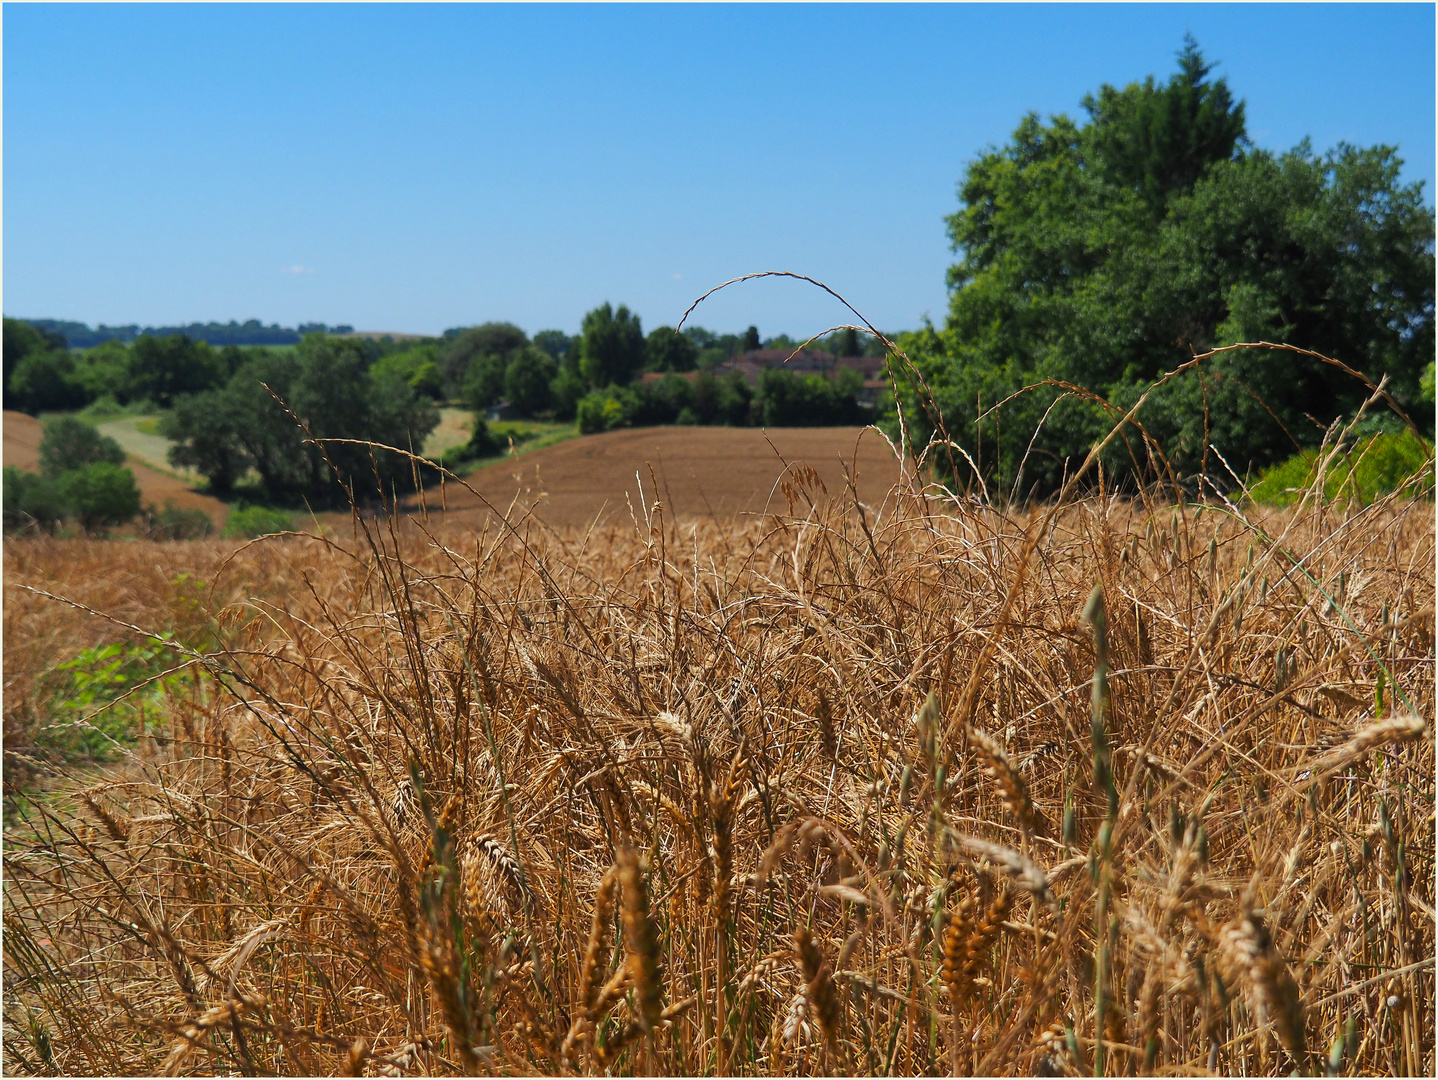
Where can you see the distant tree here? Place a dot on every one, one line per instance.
(100, 495)
(527, 378)
(484, 382)
(565, 390)
(32, 501)
(103, 371)
(499, 339)
(667, 351)
(328, 384)
(613, 347)
(845, 343)
(789, 399)
(21, 341)
(44, 382)
(418, 367)
(71, 443)
(727, 401)
(163, 368)
(207, 439)
(556, 343)
(751, 339)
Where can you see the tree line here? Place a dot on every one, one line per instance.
(263, 421)
(1095, 256)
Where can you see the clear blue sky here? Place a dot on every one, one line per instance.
(413, 168)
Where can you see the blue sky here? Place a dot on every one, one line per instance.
(413, 168)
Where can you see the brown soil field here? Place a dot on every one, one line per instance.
(22, 448)
(701, 473)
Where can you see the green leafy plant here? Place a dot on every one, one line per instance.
(93, 711)
(1375, 466)
(248, 522)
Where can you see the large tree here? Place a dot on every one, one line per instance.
(500, 340)
(328, 385)
(1105, 253)
(612, 351)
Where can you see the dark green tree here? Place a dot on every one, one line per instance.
(44, 382)
(162, 368)
(613, 347)
(484, 382)
(1158, 142)
(100, 495)
(751, 339)
(329, 390)
(667, 351)
(499, 339)
(32, 501)
(47, 380)
(71, 443)
(527, 378)
(565, 390)
(1105, 254)
(556, 343)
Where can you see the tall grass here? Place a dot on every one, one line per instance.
(1112, 787)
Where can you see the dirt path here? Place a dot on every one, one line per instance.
(22, 448)
(700, 472)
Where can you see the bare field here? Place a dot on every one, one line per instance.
(710, 473)
(907, 787)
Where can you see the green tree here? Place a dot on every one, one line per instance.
(499, 339)
(751, 339)
(613, 347)
(556, 343)
(47, 379)
(565, 390)
(1105, 254)
(103, 371)
(44, 382)
(417, 367)
(1158, 142)
(70, 443)
(527, 378)
(163, 368)
(667, 351)
(100, 495)
(32, 501)
(484, 382)
(330, 391)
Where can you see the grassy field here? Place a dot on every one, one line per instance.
(909, 787)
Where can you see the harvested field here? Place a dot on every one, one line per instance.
(913, 787)
(22, 449)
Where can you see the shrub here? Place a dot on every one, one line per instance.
(176, 523)
(605, 410)
(100, 495)
(1376, 466)
(248, 522)
(71, 443)
(32, 501)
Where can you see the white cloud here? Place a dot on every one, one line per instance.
(297, 269)
(677, 277)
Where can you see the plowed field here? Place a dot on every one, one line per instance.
(721, 473)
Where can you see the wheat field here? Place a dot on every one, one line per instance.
(1116, 786)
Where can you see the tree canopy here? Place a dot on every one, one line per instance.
(612, 349)
(1106, 253)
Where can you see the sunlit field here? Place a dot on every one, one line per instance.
(1108, 787)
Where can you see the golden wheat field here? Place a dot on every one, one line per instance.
(1111, 787)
